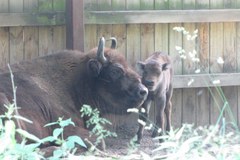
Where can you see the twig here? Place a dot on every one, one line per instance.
(14, 96)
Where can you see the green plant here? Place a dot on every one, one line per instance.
(10, 148)
(97, 122)
(67, 146)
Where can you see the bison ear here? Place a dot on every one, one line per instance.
(166, 66)
(94, 67)
(140, 65)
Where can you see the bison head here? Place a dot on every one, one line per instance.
(117, 86)
(151, 71)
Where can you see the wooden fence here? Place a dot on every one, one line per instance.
(31, 28)
(145, 26)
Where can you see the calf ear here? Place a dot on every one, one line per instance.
(94, 67)
(166, 66)
(140, 65)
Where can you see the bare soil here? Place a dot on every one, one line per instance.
(121, 145)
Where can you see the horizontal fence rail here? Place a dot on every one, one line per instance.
(161, 16)
(32, 19)
(206, 80)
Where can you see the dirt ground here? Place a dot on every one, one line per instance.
(120, 146)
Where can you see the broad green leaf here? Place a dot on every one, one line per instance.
(75, 139)
(48, 139)
(57, 132)
(28, 135)
(66, 122)
(22, 118)
(51, 124)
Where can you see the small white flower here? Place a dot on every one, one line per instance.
(179, 29)
(132, 110)
(141, 122)
(185, 32)
(181, 51)
(193, 37)
(216, 81)
(197, 71)
(196, 31)
(143, 110)
(178, 48)
(195, 59)
(148, 127)
(191, 55)
(220, 60)
(189, 37)
(183, 56)
(159, 130)
(190, 82)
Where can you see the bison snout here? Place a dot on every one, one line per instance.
(143, 92)
(149, 82)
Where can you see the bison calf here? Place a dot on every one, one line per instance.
(157, 77)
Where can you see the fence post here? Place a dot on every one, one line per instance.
(75, 24)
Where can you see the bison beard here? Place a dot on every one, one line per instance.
(58, 85)
(157, 77)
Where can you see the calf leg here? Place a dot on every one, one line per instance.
(168, 109)
(160, 106)
(168, 112)
(144, 117)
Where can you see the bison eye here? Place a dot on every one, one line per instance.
(116, 71)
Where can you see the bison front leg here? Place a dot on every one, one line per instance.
(143, 116)
(160, 107)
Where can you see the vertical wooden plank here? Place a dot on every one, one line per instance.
(16, 34)
(161, 5)
(30, 33)
(202, 94)
(4, 44)
(147, 32)
(91, 39)
(15, 6)
(75, 24)
(147, 40)
(175, 39)
(133, 35)
(16, 44)
(216, 50)
(30, 42)
(30, 5)
(238, 61)
(189, 95)
(45, 33)
(230, 65)
(4, 37)
(59, 32)
(119, 30)
(161, 30)
(4, 7)
(106, 29)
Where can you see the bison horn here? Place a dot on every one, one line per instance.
(100, 51)
(114, 43)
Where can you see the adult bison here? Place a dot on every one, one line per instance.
(58, 85)
(157, 77)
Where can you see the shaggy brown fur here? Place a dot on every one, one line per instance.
(58, 85)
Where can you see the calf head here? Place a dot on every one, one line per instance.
(117, 85)
(151, 71)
